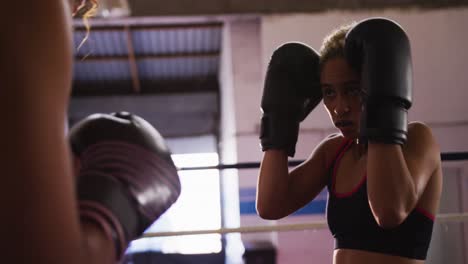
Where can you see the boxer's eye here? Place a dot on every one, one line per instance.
(328, 93)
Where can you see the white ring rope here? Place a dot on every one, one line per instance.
(444, 218)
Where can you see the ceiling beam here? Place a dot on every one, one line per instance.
(132, 61)
(173, 115)
(93, 58)
(227, 7)
(102, 26)
(124, 87)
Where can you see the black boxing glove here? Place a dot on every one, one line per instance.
(379, 49)
(126, 177)
(291, 91)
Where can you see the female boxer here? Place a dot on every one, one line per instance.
(382, 173)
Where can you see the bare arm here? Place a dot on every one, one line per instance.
(397, 177)
(38, 189)
(280, 192)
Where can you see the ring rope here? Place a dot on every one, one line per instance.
(444, 218)
(448, 156)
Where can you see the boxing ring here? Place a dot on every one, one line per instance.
(313, 225)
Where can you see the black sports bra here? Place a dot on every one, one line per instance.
(353, 226)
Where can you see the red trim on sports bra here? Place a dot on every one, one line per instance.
(355, 189)
(337, 160)
(425, 213)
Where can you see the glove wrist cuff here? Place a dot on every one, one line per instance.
(94, 212)
(386, 124)
(279, 131)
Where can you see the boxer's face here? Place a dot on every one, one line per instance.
(341, 91)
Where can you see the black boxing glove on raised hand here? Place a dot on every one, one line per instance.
(379, 49)
(126, 179)
(291, 91)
